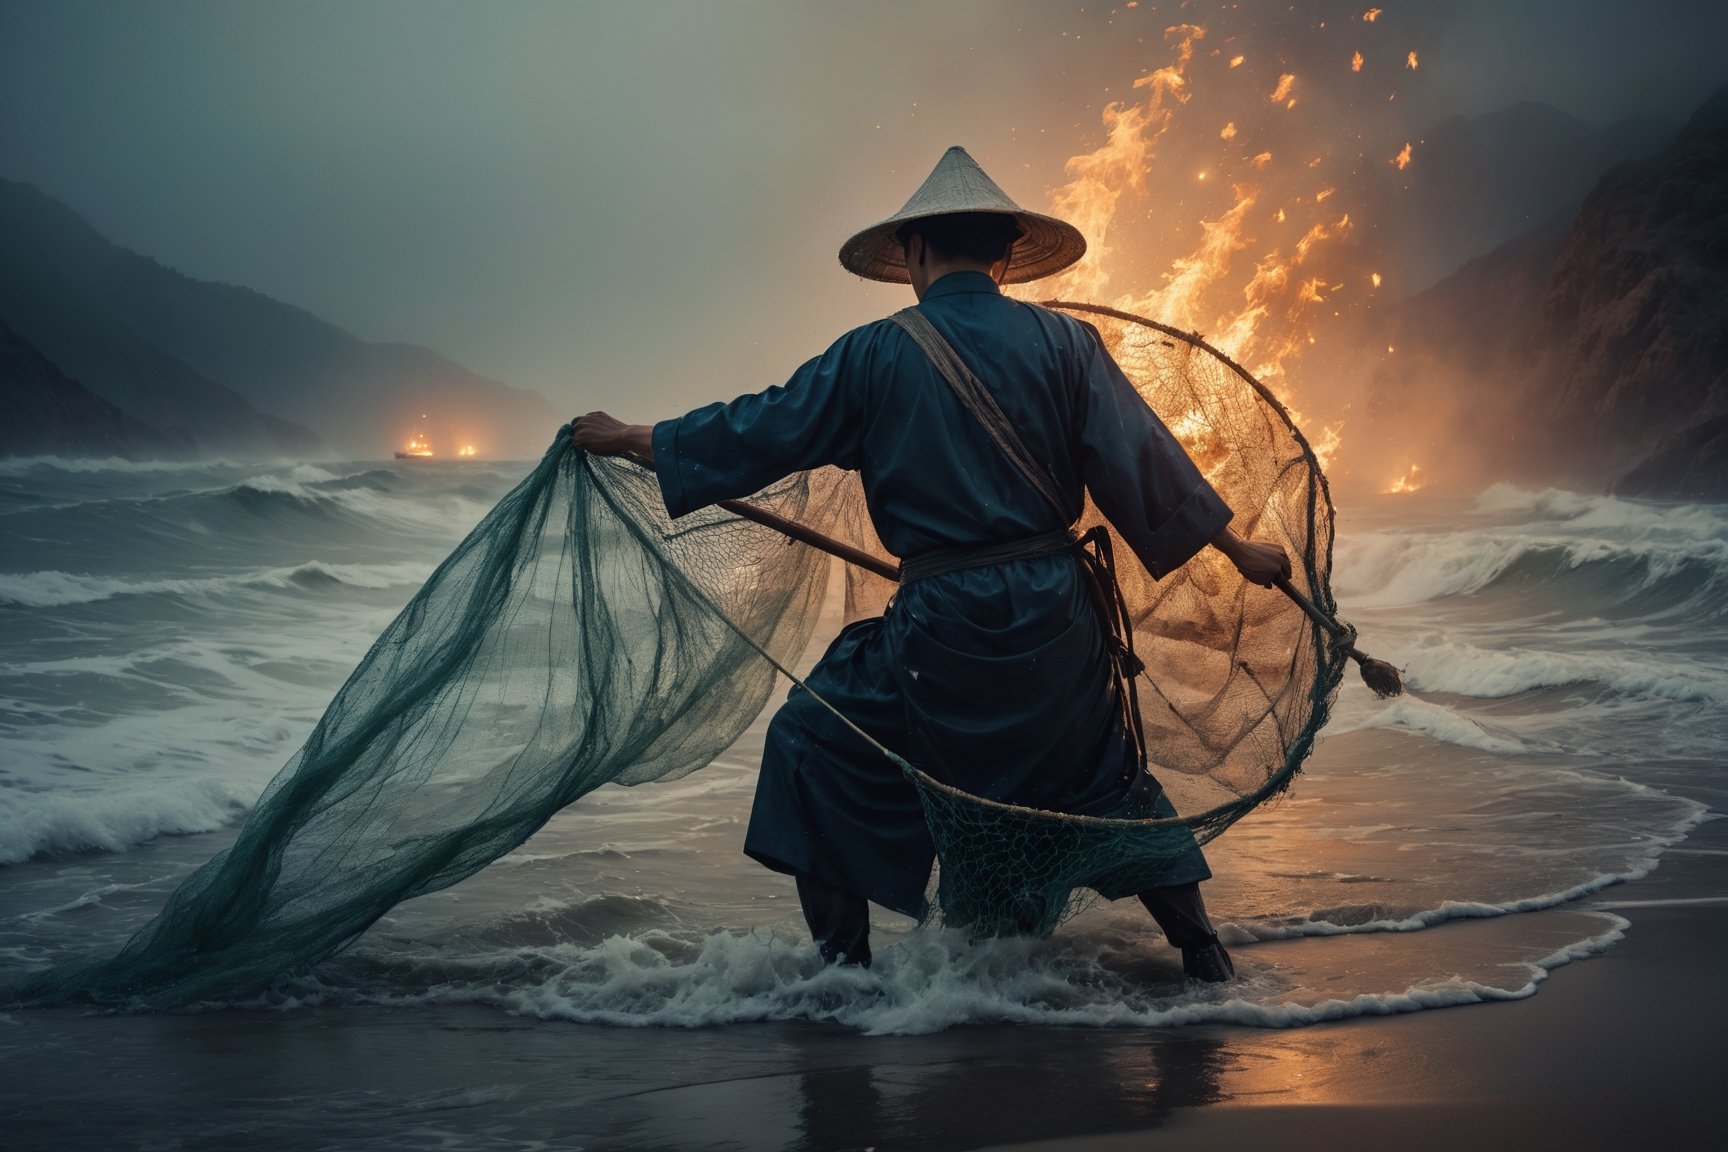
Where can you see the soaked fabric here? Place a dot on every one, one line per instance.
(580, 636)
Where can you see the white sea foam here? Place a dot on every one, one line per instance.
(1568, 529)
(68, 823)
(1584, 510)
(927, 982)
(1432, 720)
(1437, 663)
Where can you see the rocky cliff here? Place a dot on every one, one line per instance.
(44, 412)
(1597, 355)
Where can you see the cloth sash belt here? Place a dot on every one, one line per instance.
(944, 560)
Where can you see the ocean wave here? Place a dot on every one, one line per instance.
(1432, 720)
(1392, 569)
(53, 589)
(115, 820)
(928, 982)
(84, 464)
(1597, 512)
(1435, 663)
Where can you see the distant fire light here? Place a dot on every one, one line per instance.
(1411, 481)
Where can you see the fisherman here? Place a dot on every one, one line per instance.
(993, 668)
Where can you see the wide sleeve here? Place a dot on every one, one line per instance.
(1137, 472)
(729, 450)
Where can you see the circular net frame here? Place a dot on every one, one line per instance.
(1238, 681)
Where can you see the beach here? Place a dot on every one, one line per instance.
(1623, 1048)
(1487, 914)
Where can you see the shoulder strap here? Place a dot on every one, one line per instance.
(977, 400)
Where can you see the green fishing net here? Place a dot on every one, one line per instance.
(578, 637)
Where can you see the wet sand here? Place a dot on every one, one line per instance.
(1625, 1047)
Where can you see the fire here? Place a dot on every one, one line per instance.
(1410, 61)
(1226, 268)
(1326, 444)
(1411, 481)
(1402, 160)
(1236, 61)
(1371, 15)
(1098, 179)
(465, 450)
(418, 447)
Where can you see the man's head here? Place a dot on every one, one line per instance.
(957, 242)
(962, 219)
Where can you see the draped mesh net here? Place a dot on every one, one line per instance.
(578, 637)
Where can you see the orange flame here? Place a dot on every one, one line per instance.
(1402, 160)
(1371, 15)
(1356, 62)
(1236, 61)
(1411, 481)
(1410, 61)
(465, 450)
(1259, 309)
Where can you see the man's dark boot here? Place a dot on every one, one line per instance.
(839, 921)
(1182, 915)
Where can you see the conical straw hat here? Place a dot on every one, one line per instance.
(957, 184)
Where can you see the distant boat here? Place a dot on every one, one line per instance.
(417, 448)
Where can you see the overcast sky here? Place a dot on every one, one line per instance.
(637, 205)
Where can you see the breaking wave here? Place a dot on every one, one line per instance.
(58, 589)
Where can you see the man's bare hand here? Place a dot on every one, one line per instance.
(605, 435)
(1259, 561)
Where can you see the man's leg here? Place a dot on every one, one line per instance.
(839, 921)
(1181, 913)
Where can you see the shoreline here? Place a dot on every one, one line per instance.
(1623, 1045)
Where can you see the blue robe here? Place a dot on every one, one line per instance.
(994, 679)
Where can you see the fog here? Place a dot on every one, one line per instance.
(638, 206)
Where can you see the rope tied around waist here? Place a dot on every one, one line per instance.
(1093, 550)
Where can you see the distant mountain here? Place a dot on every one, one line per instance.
(1598, 353)
(152, 340)
(1476, 182)
(43, 412)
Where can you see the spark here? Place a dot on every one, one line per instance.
(1356, 62)
(1371, 15)
(1236, 61)
(1410, 60)
(1282, 92)
(1375, 277)
(1229, 132)
(1262, 160)
(1402, 160)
